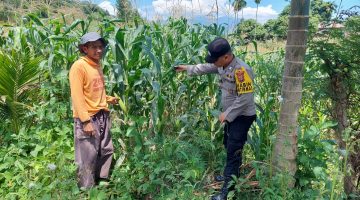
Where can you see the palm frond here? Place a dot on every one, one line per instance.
(19, 73)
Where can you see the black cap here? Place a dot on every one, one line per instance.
(216, 49)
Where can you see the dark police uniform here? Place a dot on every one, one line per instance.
(237, 88)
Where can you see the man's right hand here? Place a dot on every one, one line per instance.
(180, 68)
(89, 128)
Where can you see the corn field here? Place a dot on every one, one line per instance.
(168, 141)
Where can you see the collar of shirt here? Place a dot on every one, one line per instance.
(90, 62)
(233, 63)
(229, 68)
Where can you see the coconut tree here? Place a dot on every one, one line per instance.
(285, 149)
(256, 16)
(239, 5)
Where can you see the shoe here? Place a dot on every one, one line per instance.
(104, 183)
(84, 189)
(224, 192)
(219, 196)
(219, 178)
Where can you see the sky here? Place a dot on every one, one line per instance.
(203, 11)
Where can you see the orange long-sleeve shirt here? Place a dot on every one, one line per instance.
(87, 89)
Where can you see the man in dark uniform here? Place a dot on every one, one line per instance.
(238, 106)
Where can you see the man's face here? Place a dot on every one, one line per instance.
(94, 50)
(222, 61)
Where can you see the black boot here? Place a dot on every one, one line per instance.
(219, 178)
(219, 196)
(223, 194)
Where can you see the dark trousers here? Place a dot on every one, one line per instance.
(235, 136)
(93, 154)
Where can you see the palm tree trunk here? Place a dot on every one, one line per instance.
(217, 12)
(257, 8)
(285, 149)
(235, 18)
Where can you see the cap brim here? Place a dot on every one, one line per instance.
(95, 39)
(210, 59)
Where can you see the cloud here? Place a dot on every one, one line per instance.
(264, 13)
(107, 6)
(189, 8)
(147, 12)
(162, 9)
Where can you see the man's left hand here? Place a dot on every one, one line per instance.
(222, 117)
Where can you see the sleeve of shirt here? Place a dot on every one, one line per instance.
(76, 77)
(238, 106)
(200, 69)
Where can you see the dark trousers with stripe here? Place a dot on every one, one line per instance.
(93, 154)
(235, 136)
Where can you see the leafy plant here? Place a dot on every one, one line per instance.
(18, 79)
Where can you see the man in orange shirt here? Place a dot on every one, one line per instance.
(93, 144)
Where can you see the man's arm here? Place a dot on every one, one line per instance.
(76, 78)
(198, 69)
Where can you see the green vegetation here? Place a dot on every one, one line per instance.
(126, 10)
(277, 28)
(11, 11)
(168, 141)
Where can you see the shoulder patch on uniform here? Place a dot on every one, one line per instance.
(243, 81)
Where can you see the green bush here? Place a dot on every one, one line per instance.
(42, 12)
(6, 14)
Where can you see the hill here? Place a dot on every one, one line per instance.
(12, 10)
